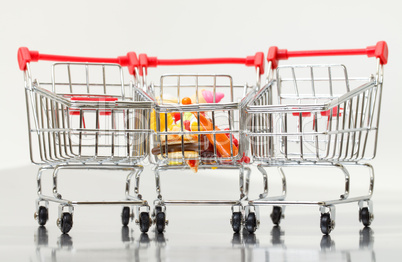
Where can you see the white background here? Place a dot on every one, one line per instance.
(184, 29)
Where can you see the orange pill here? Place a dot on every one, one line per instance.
(186, 101)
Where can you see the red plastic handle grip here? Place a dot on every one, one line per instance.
(380, 50)
(94, 98)
(257, 61)
(334, 112)
(26, 56)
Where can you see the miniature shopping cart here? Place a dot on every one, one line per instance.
(86, 117)
(316, 115)
(199, 134)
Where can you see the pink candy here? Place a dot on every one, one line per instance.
(209, 96)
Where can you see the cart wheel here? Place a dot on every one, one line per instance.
(43, 215)
(251, 222)
(236, 221)
(276, 215)
(125, 216)
(326, 223)
(66, 222)
(144, 222)
(160, 221)
(365, 216)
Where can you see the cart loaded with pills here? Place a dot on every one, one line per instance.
(197, 124)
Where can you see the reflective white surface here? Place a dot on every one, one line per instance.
(194, 233)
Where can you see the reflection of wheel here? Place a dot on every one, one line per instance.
(276, 215)
(160, 221)
(250, 239)
(366, 237)
(125, 216)
(326, 223)
(326, 242)
(236, 239)
(43, 215)
(66, 222)
(365, 216)
(125, 234)
(65, 241)
(144, 238)
(251, 222)
(276, 234)
(160, 238)
(144, 222)
(42, 236)
(236, 221)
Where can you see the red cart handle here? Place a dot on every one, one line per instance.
(380, 50)
(26, 56)
(257, 61)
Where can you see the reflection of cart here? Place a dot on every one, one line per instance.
(67, 248)
(316, 115)
(195, 129)
(86, 117)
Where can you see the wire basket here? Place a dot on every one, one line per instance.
(87, 113)
(314, 113)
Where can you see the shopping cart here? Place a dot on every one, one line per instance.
(86, 117)
(195, 128)
(316, 115)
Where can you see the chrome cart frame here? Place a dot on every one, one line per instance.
(88, 118)
(321, 118)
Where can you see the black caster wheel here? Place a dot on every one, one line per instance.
(144, 222)
(365, 216)
(43, 215)
(236, 221)
(66, 222)
(160, 221)
(125, 216)
(276, 215)
(326, 223)
(251, 223)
